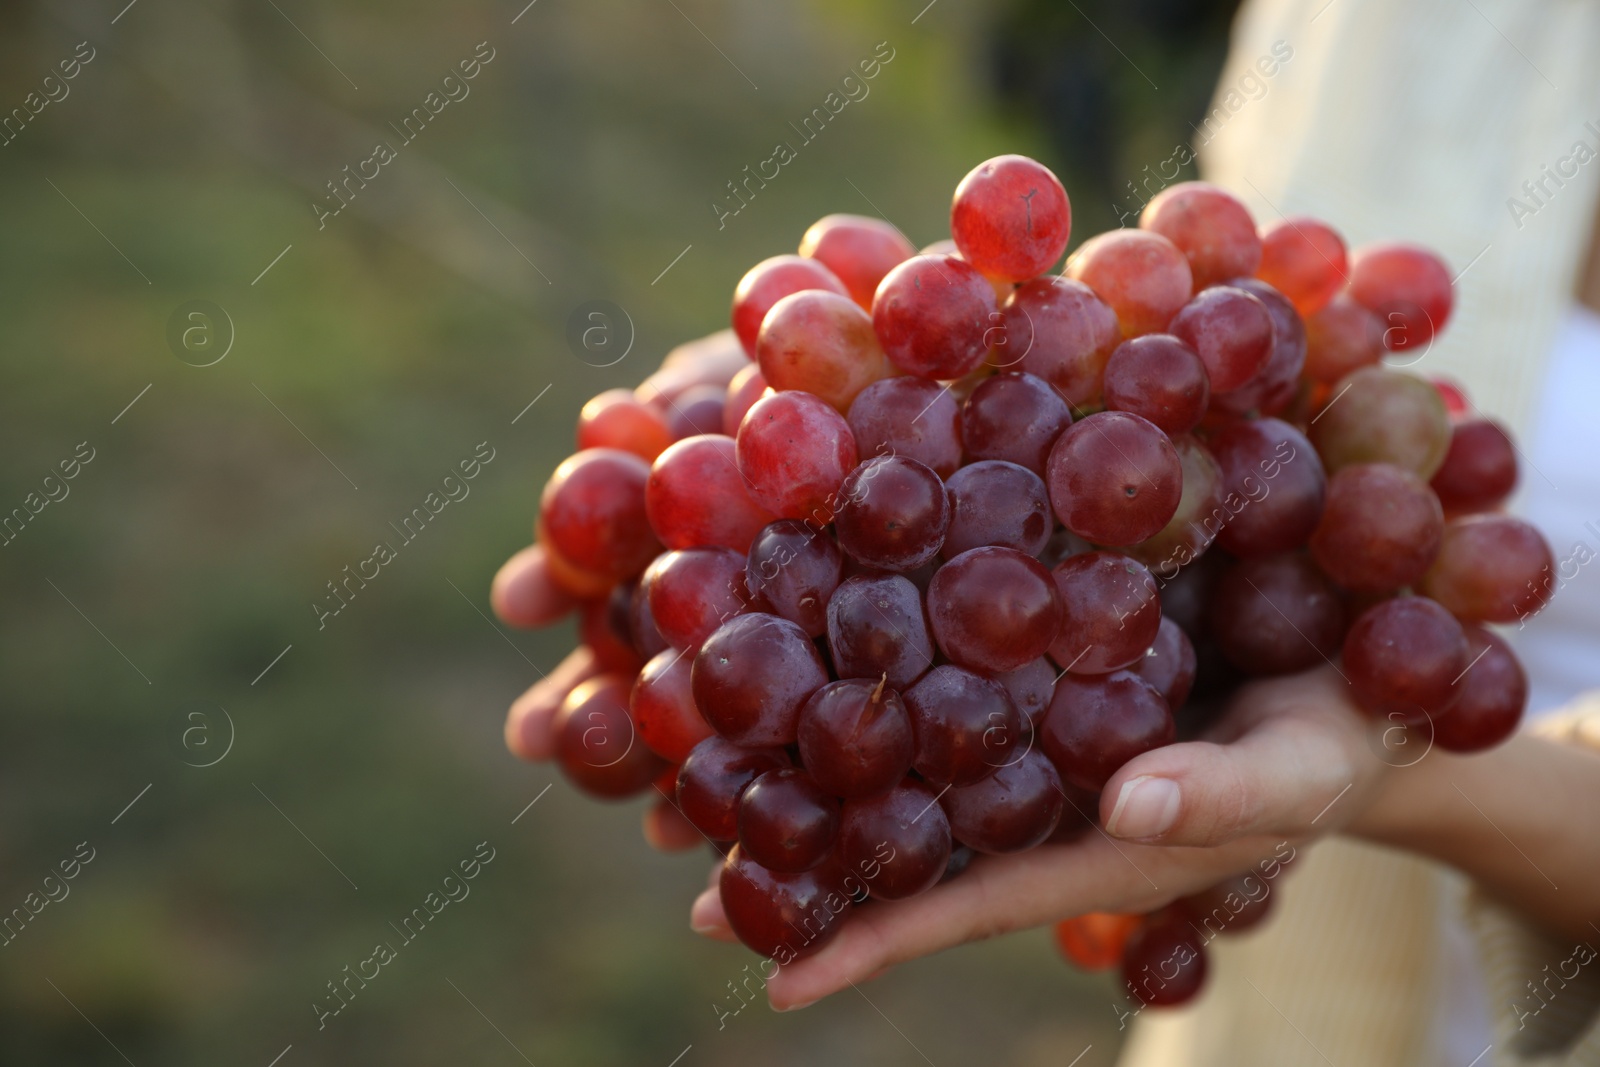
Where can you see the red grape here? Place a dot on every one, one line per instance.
(1169, 665)
(932, 315)
(1015, 417)
(911, 417)
(877, 628)
(997, 503)
(696, 496)
(858, 250)
(1407, 287)
(822, 343)
(768, 282)
(899, 842)
(747, 387)
(1404, 657)
(892, 513)
(1059, 330)
(604, 629)
(616, 419)
(1341, 338)
(855, 737)
(1159, 378)
(663, 707)
(1232, 906)
(751, 677)
(712, 779)
(1111, 612)
(1096, 724)
(1164, 961)
(786, 822)
(1273, 486)
(592, 514)
(1494, 692)
(693, 591)
(794, 450)
(1480, 468)
(696, 410)
(1492, 568)
(993, 609)
(1142, 275)
(1305, 260)
(1276, 615)
(1193, 525)
(1011, 218)
(965, 726)
(1230, 330)
(1030, 687)
(1114, 478)
(783, 917)
(791, 571)
(1212, 229)
(1278, 384)
(596, 744)
(1014, 809)
(1380, 528)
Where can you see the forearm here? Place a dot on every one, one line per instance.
(1523, 821)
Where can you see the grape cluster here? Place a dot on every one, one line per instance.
(975, 534)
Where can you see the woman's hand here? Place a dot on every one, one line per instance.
(1292, 759)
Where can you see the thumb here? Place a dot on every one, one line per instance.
(1276, 779)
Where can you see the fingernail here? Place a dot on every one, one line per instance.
(705, 928)
(792, 1007)
(1146, 807)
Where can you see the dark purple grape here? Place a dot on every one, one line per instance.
(752, 676)
(791, 571)
(877, 628)
(1170, 664)
(965, 725)
(786, 822)
(892, 513)
(897, 843)
(1012, 810)
(1014, 417)
(1276, 615)
(994, 609)
(855, 737)
(911, 417)
(1273, 486)
(1097, 724)
(993, 502)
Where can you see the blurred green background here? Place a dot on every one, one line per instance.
(143, 611)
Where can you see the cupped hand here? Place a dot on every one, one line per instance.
(1292, 759)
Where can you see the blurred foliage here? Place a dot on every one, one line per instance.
(376, 352)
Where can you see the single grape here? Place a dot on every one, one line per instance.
(592, 514)
(1232, 906)
(696, 497)
(1494, 692)
(1094, 941)
(1030, 687)
(1340, 338)
(1405, 657)
(1011, 218)
(714, 776)
(911, 417)
(855, 737)
(605, 631)
(786, 822)
(1111, 612)
(696, 410)
(965, 726)
(1276, 615)
(1164, 961)
(693, 591)
(1169, 665)
(1114, 478)
(1381, 527)
(858, 250)
(997, 503)
(617, 419)
(1230, 330)
(898, 842)
(1159, 378)
(1278, 384)
(1212, 229)
(1096, 724)
(877, 628)
(1142, 275)
(791, 571)
(1273, 487)
(1058, 330)
(1012, 810)
(1407, 287)
(663, 707)
(892, 513)
(596, 745)
(752, 676)
(768, 282)
(993, 609)
(932, 315)
(782, 917)
(1492, 568)
(1305, 260)
(1479, 469)
(1378, 415)
(1193, 526)
(1015, 417)
(821, 343)
(642, 629)
(747, 387)
(794, 451)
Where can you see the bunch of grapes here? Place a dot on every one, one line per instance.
(969, 535)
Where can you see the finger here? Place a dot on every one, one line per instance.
(667, 830)
(524, 594)
(1274, 780)
(707, 917)
(528, 725)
